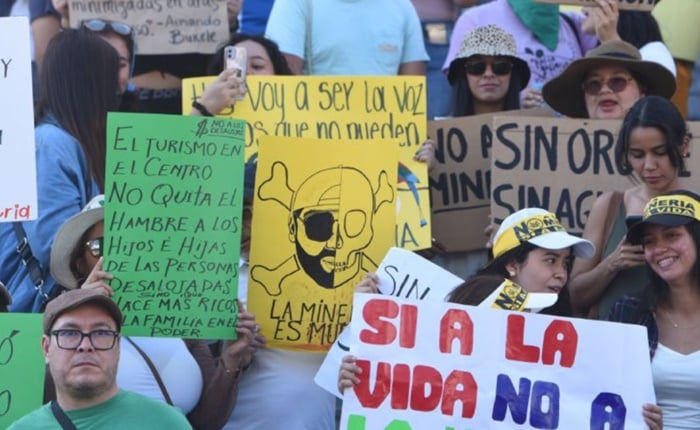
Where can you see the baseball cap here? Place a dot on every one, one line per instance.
(541, 228)
(672, 210)
(73, 299)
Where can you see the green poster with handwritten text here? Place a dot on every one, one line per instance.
(21, 366)
(174, 193)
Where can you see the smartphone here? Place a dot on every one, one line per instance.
(236, 58)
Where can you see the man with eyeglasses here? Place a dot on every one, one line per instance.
(81, 329)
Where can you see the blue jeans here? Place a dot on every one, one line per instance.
(438, 86)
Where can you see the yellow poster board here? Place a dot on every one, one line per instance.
(323, 216)
(343, 108)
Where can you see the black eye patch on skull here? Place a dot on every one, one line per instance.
(319, 225)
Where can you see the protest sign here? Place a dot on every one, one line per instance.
(173, 223)
(561, 165)
(440, 365)
(345, 109)
(18, 199)
(162, 26)
(640, 5)
(324, 213)
(21, 366)
(461, 180)
(401, 274)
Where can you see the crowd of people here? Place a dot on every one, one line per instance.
(636, 262)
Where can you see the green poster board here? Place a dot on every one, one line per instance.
(174, 194)
(21, 366)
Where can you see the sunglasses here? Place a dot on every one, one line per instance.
(593, 87)
(478, 68)
(95, 246)
(319, 225)
(99, 25)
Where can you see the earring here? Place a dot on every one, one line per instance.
(686, 155)
(512, 274)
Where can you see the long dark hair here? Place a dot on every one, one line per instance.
(79, 85)
(638, 28)
(659, 113)
(463, 99)
(490, 276)
(279, 63)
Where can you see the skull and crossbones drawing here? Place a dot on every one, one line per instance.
(329, 223)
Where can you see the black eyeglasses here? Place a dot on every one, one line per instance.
(99, 25)
(70, 339)
(95, 246)
(478, 68)
(617, 84)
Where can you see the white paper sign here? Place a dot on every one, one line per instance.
(403, 274)
(18, 194)
(432, 365)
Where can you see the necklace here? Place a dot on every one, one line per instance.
(667, 315)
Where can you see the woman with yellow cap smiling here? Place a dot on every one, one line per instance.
(670, 305)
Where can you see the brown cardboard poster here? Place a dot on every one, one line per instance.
(645, 5)
(561, 165)
(162, 26)
(460, 182)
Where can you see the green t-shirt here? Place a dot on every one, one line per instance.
(126, 410)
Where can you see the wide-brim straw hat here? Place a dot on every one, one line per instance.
(565, 95)
(67, 239)
(488, 40)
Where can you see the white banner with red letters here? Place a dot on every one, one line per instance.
(433, 365)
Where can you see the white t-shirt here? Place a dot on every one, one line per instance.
(177, 368)
(278, 391)
(677, 388)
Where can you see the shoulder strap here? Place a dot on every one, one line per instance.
(154, 371)
(61, 417)
(574, 28)
(613, 208)
(308, 54)
(36, 272)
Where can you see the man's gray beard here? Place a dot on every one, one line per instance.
(86, 391)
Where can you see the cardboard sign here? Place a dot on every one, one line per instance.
(461, 180)
(18, 199)
(401, 274)
(343, 109)
(323, 217)
(644, 5)
(162, 26)
(174, 193)
(21, 366)
(561, 165)
(441, 365)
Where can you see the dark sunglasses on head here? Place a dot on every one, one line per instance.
(593, 87)
(95, 246)
(99, 25)
(478, 68)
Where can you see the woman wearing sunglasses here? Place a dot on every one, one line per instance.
(487, 76)
(651, 148)
(180, 372)
(607, 82)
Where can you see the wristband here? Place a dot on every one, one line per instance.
(200, 107)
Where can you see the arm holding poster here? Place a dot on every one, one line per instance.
(76, 262)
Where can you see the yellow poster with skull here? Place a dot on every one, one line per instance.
(323, 216)
(349, 108)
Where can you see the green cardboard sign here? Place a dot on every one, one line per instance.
(21, 366)
(174, 194)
